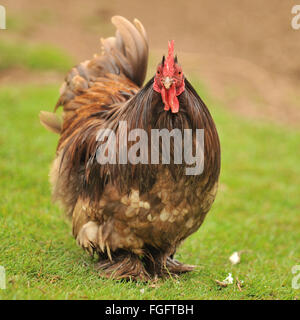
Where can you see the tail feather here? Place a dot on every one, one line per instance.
(51, 121)
(136, 46)
(126, 53)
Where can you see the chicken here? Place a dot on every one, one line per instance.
(132, 214)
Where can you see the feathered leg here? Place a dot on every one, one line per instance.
(176, 267)
(146, 264)
(126, 265)
(123, 265)
(160, 264)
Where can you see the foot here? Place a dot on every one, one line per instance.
(124, 266)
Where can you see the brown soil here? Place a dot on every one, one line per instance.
(245, 51)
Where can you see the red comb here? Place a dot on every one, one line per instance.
(169, 62)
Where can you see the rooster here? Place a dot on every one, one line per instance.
(132, 215)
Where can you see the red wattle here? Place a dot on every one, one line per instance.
(169, 97)
(164, 97)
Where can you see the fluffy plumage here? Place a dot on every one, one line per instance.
(133, 216)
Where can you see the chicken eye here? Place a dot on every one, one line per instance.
(158, 72)
(179, 72)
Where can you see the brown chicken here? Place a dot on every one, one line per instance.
(134, 214)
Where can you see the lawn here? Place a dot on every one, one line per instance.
(257, 210)
(34, 57)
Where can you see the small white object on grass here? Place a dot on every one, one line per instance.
(142, 290)
(229, 279)
(235, 258)
(226, 281)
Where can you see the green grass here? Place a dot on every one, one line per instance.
(257, 209)
(35, 57)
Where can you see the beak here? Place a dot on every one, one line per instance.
(167, 82)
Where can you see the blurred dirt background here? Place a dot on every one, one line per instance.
(244, 51)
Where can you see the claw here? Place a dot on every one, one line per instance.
(100, 237)
(108, 252)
